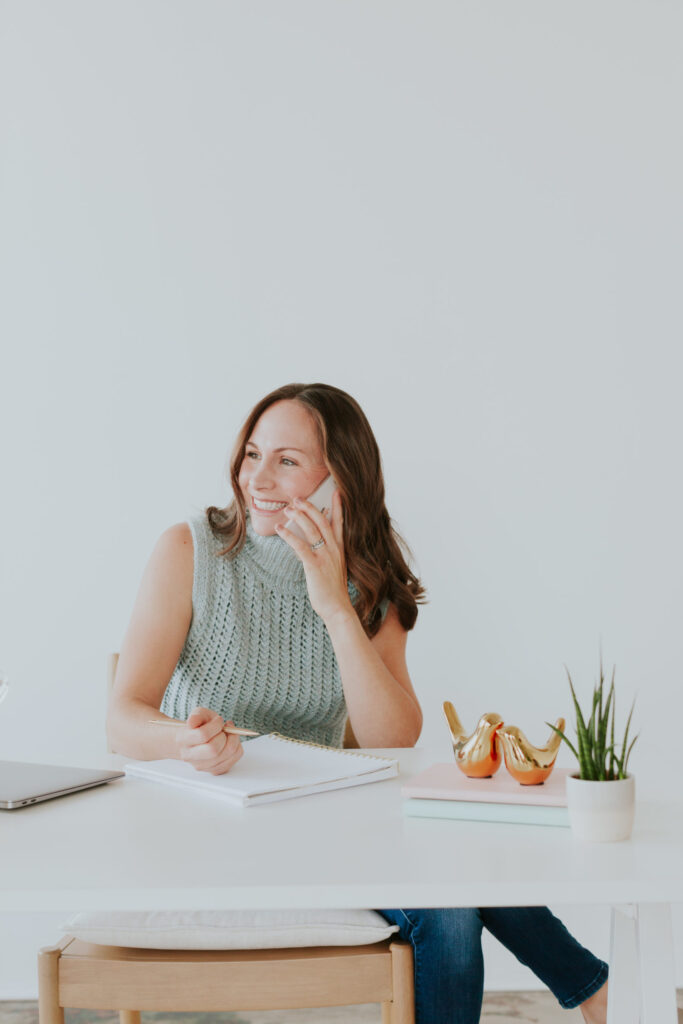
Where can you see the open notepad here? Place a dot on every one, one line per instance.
(273, 768)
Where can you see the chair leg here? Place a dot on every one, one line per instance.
(129, 1017)
(401, 1010)
(49, 1010)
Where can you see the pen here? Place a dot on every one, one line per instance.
(226, 728)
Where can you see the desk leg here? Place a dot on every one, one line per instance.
(657, 968)
(622, 996)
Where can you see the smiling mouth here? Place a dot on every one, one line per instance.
(268, 506)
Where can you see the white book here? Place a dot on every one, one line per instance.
(273, 767)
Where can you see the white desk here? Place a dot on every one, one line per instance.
(139, 845)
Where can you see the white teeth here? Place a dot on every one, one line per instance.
(269, 506)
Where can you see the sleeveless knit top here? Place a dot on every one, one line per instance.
(256, 651)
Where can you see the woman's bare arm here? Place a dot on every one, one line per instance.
(158, 627)
(151, 648)
(383, 708)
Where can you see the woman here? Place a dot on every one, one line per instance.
(238, 619)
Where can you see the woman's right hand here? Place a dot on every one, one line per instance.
(204, 744)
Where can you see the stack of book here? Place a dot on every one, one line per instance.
(442, 791)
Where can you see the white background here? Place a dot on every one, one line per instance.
(466, 214)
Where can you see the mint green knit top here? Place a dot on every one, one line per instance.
(256, 651)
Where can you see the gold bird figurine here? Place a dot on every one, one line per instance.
(478, 755)
(528, 764)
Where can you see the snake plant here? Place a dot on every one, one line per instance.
(600, 758)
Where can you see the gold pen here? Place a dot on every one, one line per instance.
(233, 730)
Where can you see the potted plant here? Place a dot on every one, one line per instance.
(601, 795)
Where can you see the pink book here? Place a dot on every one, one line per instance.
(447, 782)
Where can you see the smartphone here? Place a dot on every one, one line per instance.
(322, 499)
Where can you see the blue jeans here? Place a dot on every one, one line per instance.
(449, 965)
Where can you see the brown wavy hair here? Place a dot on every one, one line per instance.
(376, 555)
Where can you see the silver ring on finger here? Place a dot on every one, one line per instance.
(318, 544)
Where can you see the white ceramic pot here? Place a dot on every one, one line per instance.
(601, 812)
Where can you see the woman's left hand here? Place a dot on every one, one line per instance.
(324, 564)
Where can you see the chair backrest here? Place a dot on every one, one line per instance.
(349, 742)
(112, 662)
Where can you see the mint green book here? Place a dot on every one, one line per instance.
(472, 810)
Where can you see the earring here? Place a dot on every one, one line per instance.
(478, 755)
(528, 764)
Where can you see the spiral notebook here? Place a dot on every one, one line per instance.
(273, 767)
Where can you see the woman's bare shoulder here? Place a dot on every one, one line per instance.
(176, 537)
(172, 560)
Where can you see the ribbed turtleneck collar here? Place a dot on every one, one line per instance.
(274, 558)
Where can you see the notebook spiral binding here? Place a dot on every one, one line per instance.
(337, 750)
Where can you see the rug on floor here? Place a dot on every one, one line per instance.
(499, 1008)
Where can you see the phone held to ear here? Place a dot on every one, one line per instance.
(322, 499)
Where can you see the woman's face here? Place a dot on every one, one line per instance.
(283, 460)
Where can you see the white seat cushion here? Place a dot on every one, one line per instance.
(230, 929)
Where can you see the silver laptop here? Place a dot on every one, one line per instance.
(22, 784)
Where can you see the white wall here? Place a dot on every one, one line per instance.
(468, 215)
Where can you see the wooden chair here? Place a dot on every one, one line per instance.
(77, 974)
(83, 975)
